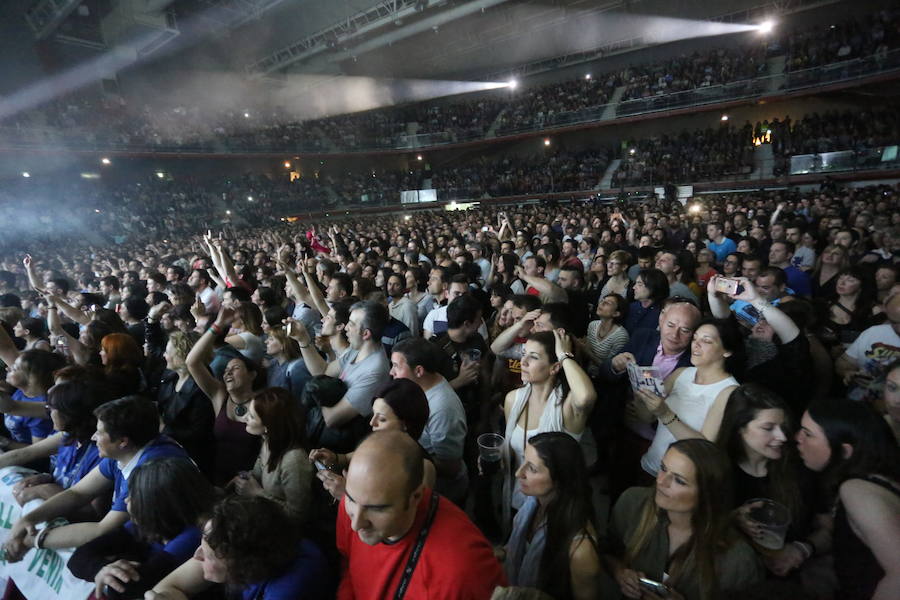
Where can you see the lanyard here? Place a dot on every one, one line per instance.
(417, 549)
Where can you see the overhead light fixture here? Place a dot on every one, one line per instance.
(512, 84)
(287, 164)
(105, 161)
(160, 174)
(724, 117)
(546, 141)
(766, 26)
(26, 174)
(419, 157)
(588, 76)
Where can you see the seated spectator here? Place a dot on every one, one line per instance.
(281, 471)
(235, 450)
(861, 366)
(557, 395)
(363, 368)
(553, 545)
(127, 434)
(33, 332)
(678, 531)
(71, 405)
(853, 449)
(28, 378)
(400, 405)
(606, 335)
(696, 396)
(755, 433)
(184, 409)
(778, 353)
(444, 436)
(386, 501)
(167, 497)
(248, 339)
(286, 368)
(650, 289)
(249, 543)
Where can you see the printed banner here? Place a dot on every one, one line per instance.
(42, 574)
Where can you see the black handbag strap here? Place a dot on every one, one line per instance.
(417, 549)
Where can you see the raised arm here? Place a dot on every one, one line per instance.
(315, 293)
(782, 324)
(33, 280)
(8, 351)
(196, 360)
(582, 394)
(717, 304)
(80, 353)
(70, 311)
(508, 336)
(314, 362)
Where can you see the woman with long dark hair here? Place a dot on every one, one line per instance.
(678, 532)
(281, 471)
(166, 499)
(855, 452)
(696, 396)
(755, 434)
(553, 545)
(557, 395)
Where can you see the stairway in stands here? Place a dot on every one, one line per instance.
(763, 162)
(606, 181)
(492, 130)
(776, 73)
(609, 112)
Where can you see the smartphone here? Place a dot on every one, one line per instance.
(729, 286)
(656, 587)
(320, 466)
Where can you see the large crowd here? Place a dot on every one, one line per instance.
(109, 121)
(440, 405)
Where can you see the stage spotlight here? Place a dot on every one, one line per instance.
(246, 115)
(588, 76)
(419, 157)
(512, 84)
(546, 141)
(160, 174)
(227, 212)
(26, 174)
(105, 161)
(766, 27)
(249, 198)
(724, 117)
(632, 151)
(287, 164)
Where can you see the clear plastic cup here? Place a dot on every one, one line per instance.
(773, 518)
(490, 452)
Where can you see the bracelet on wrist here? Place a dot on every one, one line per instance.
(671, 420)
(804, 549)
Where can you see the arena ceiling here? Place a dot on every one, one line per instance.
(465, 39)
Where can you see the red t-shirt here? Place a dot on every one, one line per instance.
(457, 562)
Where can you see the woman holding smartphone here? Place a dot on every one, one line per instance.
(674, 539)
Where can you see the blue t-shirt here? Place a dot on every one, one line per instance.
(72, 462)
(181, 547)
(308, 578)
(722, 250)
(22, 429)
(161, 447)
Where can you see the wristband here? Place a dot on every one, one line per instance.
(670, 421)
(807, 553)
(39, 538)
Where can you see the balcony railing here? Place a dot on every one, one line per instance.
(770, 85)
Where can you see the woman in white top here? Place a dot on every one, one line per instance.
(695, 396)
(557, 396)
